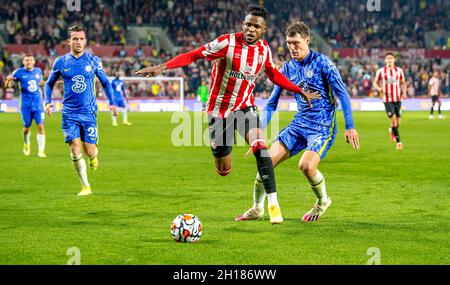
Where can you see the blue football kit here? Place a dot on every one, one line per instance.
(313, 128)
(31, 105)
(118, 87)
(79, 112)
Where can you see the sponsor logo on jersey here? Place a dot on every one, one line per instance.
(240, 75)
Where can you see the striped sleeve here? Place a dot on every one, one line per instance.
(217, 48)
(269, 60)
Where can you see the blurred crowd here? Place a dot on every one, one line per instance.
(46, 21)
(192, 23)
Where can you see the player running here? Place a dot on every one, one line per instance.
(120, 97)
(239, 59)
(312, 129)
(393, 90)
(79, 114)
(434, 91)
(30, 79)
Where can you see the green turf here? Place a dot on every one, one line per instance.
(397, 201)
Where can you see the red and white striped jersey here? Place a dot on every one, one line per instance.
(434, 85)
(234, 73)
(391, 79)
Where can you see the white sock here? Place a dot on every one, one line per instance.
(41, 142)
(259, 193)
(114, 118)
(80, 166)
(26, 138)
(272, 199)
(125, 115)
(318, 187)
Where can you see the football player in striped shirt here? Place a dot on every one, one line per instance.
(239, 58)
(392, 91)
(78, 69)
(30, 80)
(434, 91)
(312, 129)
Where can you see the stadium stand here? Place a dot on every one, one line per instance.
(190, 23)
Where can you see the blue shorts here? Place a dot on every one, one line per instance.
(83, 126)
(297, 139)
(121, 103)
(28, 114)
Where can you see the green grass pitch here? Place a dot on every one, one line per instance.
(396, 201)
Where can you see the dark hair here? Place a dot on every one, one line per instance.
(298, 28)
(75, 28)
(257, 11)
(27, 55)
(389, 53)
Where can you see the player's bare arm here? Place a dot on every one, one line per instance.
(151, 71)
(404, 88)
(377, 87)
(9, 83)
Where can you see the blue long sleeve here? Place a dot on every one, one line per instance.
(272, 102)
(340, 90)
(105, 83)
(123, 90)
(338, 87)
(270, 106)
(54, 75)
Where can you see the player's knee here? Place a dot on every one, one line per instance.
(305, 167)
(223, 171)
(75, 150)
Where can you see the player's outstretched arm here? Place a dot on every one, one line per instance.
(178, 61)
(213, 50)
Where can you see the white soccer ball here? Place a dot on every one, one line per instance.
(186, 228)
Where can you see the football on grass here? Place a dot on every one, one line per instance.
(186, 228)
